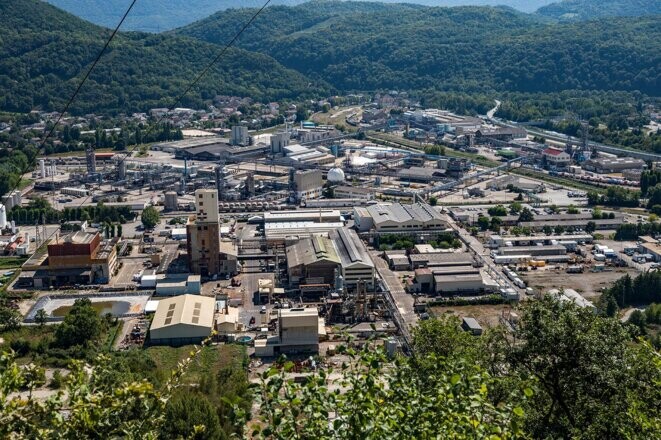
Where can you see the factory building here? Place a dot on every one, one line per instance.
(469, 283)
(75, 258)
(299, 331)
(652, 246)
(312, 260)
(398, 218)
(441, 260)
(240, 135)
(182, 320)
(353, 192)
(279, 141)
(534, 251)
(308, 184)
(606, 165)
(292, 225)
(207, 256)
(355, 263)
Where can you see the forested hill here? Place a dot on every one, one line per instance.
(468, 48)
(155, 16)
(44, 52)
(578, 10)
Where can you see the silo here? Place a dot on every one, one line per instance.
(3, 217)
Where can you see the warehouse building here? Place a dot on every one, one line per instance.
(606, 165)
(353, 192)
(182, 320)
(465, 284)
(355, 263)
(280, 226)
(312, 260)
(399, 218)
(441, 260)
(538, 225)
(496, 241)
(555, 249)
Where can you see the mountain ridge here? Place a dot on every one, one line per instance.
(581, 10)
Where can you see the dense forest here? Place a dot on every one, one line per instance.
(357, 46)
(575, 10)
(150, 16)
(44, 52)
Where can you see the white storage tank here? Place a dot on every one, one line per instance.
(3, 217)
(335, 175)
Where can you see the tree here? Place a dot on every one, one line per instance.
(483, 222)
(81, 326)
(498, 210)
(596, 214)
(119, 230)
(186, 412)
(40, 317)
(548, 230)
(495, 224)
(554, 209)
(572, 209)
(150, 217)
(638, 320)
(590, 227)
(580, 392)
(433, 201)
(526, 215)
(10, 318)
(515, 208)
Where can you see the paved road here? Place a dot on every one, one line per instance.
(403, 301)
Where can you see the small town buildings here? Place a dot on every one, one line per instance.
(182, 320)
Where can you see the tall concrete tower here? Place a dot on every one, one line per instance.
(91, 160)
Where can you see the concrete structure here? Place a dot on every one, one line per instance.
(308, 184)
(75, 258)
(299, 331)
(399, 218)
(496, 241)
(554, 249)
(240, 135)
(171, 201)
(283, 225)
(279, 141)
(472, 326)
(356, 264)
(181, 320)
(227, 320)
(312, 260)
(206, 256)
(605, 165)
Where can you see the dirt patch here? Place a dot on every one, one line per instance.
(486, 315)
(588, 284)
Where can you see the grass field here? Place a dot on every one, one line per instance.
(11, 262)
(211, 359)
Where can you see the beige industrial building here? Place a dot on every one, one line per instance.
(207, 255)
(299, 331)
(384, 218)
(309, 184)
(352, 192)
(182, 320)
(605, 165)
(293, 225)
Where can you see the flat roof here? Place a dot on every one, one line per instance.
(440, 279)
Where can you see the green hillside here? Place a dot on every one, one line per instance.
(468, 49)
(44, 51)
(578, 10)
(152, 16)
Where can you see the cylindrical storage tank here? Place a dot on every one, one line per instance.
(3, 217)
(42, 168)
(335, 175)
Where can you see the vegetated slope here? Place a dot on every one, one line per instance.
(159, 15)
(44, 52)
(578, 10)
(468, 49)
